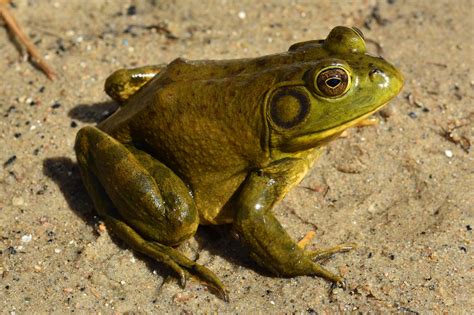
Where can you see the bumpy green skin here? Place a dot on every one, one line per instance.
(215, 142)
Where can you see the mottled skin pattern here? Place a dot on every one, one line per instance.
(214, 142)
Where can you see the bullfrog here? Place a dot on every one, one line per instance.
(221, 142)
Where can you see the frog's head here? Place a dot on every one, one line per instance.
(341, 87)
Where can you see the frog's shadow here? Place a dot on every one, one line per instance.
(216, 239)
(93, 113)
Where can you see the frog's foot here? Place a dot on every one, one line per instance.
(183, 266)
(322, 254)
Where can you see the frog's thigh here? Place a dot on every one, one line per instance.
(146, 194)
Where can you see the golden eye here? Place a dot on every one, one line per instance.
(332, 82)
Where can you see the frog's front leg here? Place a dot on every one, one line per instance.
(141, 200)
(269, 243)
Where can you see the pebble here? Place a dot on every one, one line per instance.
(387, 111)
(26, 238)
(10, 161)
(242, 15)
(448, 153)
(18, 201)
(132, 10)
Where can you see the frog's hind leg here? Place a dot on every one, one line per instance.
(123, 83)
(142, 201)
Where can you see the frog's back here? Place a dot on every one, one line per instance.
(208, 131)
(188, 70)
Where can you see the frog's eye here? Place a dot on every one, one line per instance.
(332, 82)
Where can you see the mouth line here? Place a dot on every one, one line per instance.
(347, 124)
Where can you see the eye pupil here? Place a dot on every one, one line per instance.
(333, 82)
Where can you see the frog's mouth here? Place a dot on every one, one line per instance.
(327, 133)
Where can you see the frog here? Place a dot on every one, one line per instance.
(221, 142)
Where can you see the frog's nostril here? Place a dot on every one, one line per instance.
(376, 74)
(375, 71)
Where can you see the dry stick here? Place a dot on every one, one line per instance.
(15, 29)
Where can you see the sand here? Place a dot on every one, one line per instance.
(402, 190)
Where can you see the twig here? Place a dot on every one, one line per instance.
(13, 26)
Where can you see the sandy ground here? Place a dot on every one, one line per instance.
(402, 190)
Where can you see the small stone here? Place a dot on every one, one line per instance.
(343, 270)
(242, 15)
(387, 111)
(101, 228)
(132, 10)
(412, 115)
(26, 238)
(10, 161)
(448, 153)
(18, 201)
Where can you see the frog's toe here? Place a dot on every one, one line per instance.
(322, 254)
(319, 271)
(340, 284)
(185, 266)
(178, 262)
(210, 279)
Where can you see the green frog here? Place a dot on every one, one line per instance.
(221, 142)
